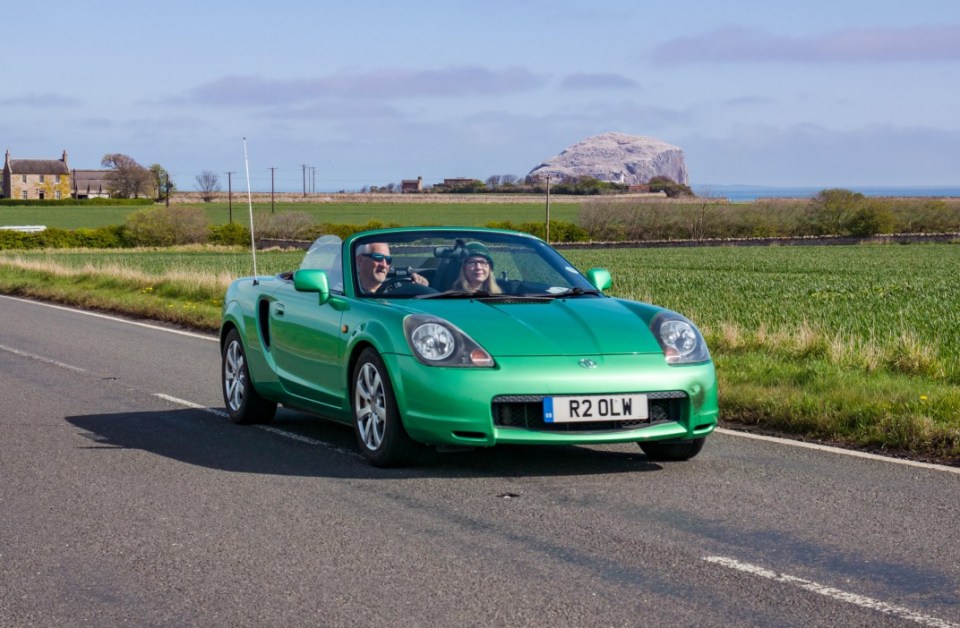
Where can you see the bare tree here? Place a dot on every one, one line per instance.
(127, 178)
(493, 181)
(208, 184)
(699, 217)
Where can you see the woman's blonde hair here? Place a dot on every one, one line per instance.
(489, 285)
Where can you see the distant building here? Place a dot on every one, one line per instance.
(457, 182)
(91, 184)
(40, 179)
(411, 186)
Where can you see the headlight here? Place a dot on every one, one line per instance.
(679, 338)
(436, 342)
(433, 341)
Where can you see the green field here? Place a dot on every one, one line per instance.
(859, 295)
(850, 344)
(406, 213)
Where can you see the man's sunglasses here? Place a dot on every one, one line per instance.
(379, 257)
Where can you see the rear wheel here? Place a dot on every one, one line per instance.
(244, 404)
(666, 451)
(382, 440)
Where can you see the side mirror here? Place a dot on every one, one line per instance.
(312, 280)
(599, 278)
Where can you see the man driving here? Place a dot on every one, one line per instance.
(373, 264)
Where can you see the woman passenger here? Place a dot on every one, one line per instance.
(476, 272)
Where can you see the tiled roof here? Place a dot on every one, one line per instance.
(82, 177)
(38, 166)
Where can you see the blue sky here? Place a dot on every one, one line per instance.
(814, 93)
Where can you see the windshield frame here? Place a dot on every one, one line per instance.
(439, 248)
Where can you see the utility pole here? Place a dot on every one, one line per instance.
(548, 210)
(304, 166)
(271, 189)
(230, 195)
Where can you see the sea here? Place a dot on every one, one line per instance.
(747, 193)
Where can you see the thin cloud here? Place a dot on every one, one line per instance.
(384, 83)
(586, 82)
(39, 100)
(338, 110)
(874, 45)
(748, 101)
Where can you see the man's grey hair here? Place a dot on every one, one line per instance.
(366, 248)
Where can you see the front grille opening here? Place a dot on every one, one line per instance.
(526, 412)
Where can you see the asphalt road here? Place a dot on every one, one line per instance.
(128, 498)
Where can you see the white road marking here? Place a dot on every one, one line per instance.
(837, 594)
(840, 450)
(266, 428)
(114, 318)
(772, 439)
(40, 358)
(192, 405)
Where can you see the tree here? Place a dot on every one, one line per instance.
(127, 178)
(833, 210)
(493, 181)
(871, 217)
(208, 183)
(669, 187)
(161, 179)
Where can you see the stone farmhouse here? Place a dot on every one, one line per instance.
(50, 179)
(36, 178)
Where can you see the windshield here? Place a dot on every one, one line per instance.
(454, 264)
(324, 254)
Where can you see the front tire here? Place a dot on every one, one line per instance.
(672, 451)
(244, 404)
(381, 437)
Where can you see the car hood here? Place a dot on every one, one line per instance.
(578, 326)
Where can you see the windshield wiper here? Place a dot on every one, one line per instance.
(455, 294)
(574, 292)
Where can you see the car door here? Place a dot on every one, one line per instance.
(307, 346)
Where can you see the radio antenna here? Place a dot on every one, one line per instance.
(253, 242)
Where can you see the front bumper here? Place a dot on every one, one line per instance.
(461, 406)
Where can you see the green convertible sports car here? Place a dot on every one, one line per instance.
(462, 337)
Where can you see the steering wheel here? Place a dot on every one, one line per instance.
(393, 283)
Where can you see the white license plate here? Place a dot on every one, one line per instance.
(595, 408)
